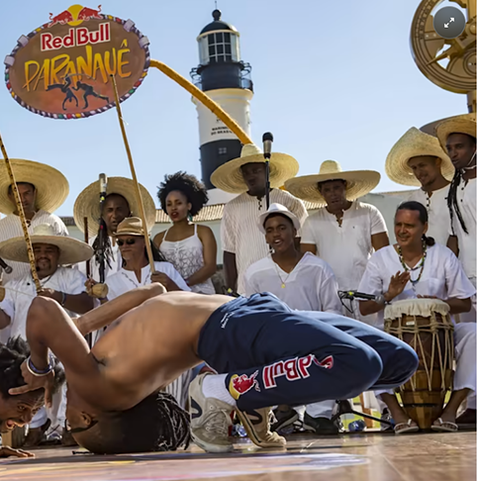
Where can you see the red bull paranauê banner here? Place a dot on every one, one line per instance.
(62, 69)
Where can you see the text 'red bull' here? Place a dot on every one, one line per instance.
(76, 37)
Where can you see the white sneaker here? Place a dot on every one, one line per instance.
(210, 419)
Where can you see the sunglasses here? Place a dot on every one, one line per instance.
(129, 242)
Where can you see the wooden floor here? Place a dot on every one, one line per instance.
(359, 457)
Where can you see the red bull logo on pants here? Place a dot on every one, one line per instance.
(240, 384)
(293, 369)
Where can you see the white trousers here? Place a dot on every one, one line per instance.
(323, 409)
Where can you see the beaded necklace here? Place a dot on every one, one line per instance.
(420, 266)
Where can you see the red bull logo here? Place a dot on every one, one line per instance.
(293, 369)
(63, 68)
(239, 385)
(75, 15)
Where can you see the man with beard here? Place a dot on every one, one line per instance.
(63, 284)
(242, 242)
(418, 160)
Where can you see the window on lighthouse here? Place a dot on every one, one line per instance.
(219, 47)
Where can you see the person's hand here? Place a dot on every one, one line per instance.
(6, 451)
(162, 278)
(51, 293)
(89, 286)
(35, 382)
(397, 284)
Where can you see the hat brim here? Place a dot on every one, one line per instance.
(72, 250)
(263, 217)
(359, 183)
(461, 124)
(50, 184)
(228, 177)
(415, 144)
(87, 203)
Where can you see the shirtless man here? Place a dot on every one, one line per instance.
(266, 353)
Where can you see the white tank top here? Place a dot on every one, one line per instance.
(187, 257)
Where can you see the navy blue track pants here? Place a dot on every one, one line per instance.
(273, 355)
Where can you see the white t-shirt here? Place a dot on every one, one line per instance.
(438, 214)
(116, 262)
(20, 294)
(124, 281)
(310, 286)
(240, 234)
(345, 248)
(11, 226)
(442, 277)
(466, 197)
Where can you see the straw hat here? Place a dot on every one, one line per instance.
(71, 250)
(277, 209)
(51, 185)
(461, 124)
(359, 182)
(88, 203)
(130, 226)
(415, 143)
(228, 177)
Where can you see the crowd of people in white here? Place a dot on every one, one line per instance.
(305, 260)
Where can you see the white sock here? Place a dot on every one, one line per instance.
(214, 386)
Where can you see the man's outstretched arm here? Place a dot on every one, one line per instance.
(107, 313)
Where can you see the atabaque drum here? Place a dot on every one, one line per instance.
(426, 326)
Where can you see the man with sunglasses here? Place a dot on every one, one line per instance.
(266, 354)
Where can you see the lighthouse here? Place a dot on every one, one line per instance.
(224, 77)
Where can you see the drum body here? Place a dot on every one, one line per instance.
(426, 326)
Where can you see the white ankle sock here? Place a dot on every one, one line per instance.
(214, 386)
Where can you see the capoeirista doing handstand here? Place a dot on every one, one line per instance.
(265, 354)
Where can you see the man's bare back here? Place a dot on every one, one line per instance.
(151, 345)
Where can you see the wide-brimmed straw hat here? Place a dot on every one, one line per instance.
(228, 177)
(72, 250)
(461, 124)
(50, 184)
(88, 203)
(359, 182)
(277, 209)
(130, 226)
(415, 143)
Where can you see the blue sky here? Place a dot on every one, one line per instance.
(333, 80)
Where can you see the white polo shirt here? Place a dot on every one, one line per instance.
(345, 248)
(310, 286)
(20, 294)
(240, 234)
(438, 214)
(442, 277)
(124, 281)
(11, 226)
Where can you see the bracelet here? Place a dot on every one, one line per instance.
(38, 372)
(63, 299)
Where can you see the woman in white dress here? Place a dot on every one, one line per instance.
(414, 268)
(190, 248)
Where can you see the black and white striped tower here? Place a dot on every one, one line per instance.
(225, 78)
